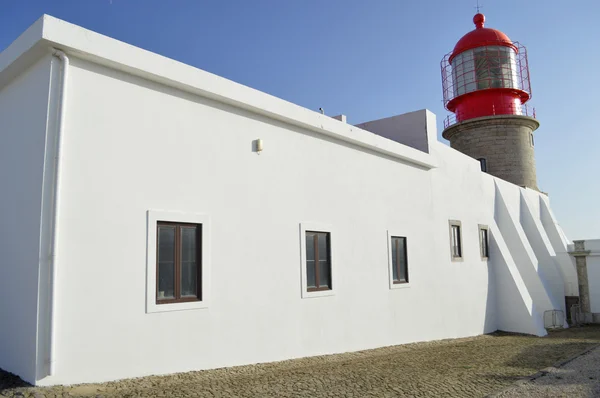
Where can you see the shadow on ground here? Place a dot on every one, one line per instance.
(540, 356)
(9, 381)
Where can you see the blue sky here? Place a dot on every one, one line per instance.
(373, 59)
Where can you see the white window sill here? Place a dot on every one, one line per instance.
(395, 286)
(322, 293)
(195, 305)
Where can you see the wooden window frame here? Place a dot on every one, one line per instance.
(308, 226)
(397, 266)
(177, 262)
(319, 288)
(455, 224)
(484, 246)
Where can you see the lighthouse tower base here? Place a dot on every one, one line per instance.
(504, 141)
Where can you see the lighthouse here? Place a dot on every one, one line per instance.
(485, 83)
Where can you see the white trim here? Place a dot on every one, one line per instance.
(311, 226)
(153, 216)
(392, 285)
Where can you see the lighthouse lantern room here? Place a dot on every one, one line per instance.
(485, 75)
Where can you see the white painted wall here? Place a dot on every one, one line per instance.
(516, 309)
(461, 192)
(23, 112)
(136, 145)
(593, 245)
(146, 146)
(409, 129)
(547, 267)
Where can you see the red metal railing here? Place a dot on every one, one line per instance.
(523, 110)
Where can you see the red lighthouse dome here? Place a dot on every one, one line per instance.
(481, 36)
(485, 75)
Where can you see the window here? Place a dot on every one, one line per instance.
(463, 73)
(178, 262)
(531, 139)
(485, 67)
(483, 164)
(399, 260)
(484, 242)
(318, 261)
(495, 67)
(456, 240)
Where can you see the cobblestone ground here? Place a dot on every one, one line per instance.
(580, 378)
(471, 367)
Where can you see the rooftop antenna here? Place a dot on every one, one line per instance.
(478, 6)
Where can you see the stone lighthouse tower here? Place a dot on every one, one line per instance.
(486, 85)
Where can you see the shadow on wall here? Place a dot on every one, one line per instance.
(491, 323)
(516, 311)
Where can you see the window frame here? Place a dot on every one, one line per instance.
(153, 217)
(452, 224)
(334, 281)
(396, 233)
(484, 256)
(177, 263)
(317, 259)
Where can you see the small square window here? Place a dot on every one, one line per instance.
(456, 249)
(318, 261)
(483, 164)
(484, 245)
(178, 262)
(399, 260)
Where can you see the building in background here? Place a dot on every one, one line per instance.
(157, 218)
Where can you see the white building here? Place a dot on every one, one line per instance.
(101, 142)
